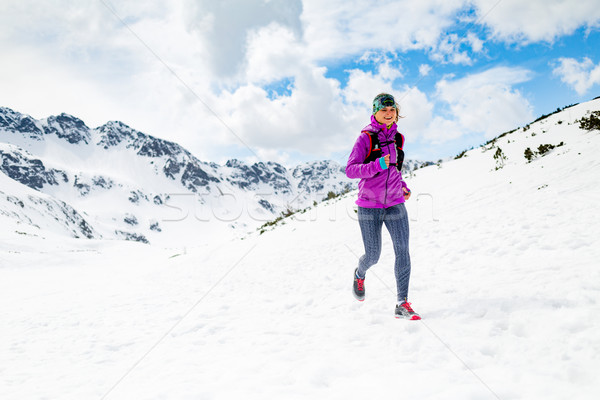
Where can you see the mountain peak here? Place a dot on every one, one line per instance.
(13, 121)
(114, 132)
(68, 127)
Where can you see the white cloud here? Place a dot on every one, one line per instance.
(318, 117)
(580, 75)
(441, 130)
(224, 27)
(483, 103)
(475, 42)
(363, 86)
(273, 53)
(339, 28)
(307, 120)
(424, 69)
(449, 50)
(536, 20)
(417, 111)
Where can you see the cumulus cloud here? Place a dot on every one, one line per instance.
(415, 108)
(226, 27)
(306, 120)
(273, 53)
(424, 69)
(448, 50)
(486, 102)
(536, 20)
(580, 75)
(337, 28)
(318, 116)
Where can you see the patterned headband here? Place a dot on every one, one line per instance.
(383, 100)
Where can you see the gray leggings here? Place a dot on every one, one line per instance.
(395, 219)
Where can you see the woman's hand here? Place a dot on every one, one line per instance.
(384, 162)
(406, 193)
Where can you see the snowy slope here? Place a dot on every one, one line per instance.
(504, 274)
(28, 213)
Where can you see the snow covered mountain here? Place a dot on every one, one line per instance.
(504, 246)
(127, 184)
(116, 182)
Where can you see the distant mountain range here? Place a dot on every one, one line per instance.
(122, 183)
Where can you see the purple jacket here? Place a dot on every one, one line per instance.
(378, 187)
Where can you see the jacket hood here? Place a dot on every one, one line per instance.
(375, 126)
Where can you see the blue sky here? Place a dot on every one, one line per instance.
(292, 80)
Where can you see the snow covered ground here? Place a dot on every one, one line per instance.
(505, 276)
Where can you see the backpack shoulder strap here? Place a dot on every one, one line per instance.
(374, 147)
(399, 144)
(399, 139)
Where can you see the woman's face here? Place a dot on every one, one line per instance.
(386, 115)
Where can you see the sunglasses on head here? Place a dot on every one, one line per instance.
(387, 101)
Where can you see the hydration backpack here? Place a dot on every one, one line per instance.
(375, 148)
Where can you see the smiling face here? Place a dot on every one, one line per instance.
(386, 115)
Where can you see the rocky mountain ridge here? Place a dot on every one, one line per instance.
(141, 176)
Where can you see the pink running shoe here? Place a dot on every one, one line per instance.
(359, 287)
(405, 311)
